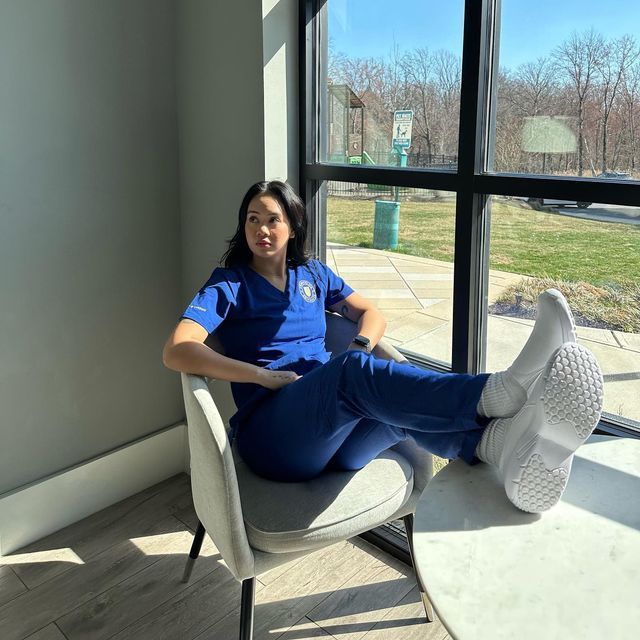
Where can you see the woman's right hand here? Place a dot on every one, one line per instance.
(276, 379)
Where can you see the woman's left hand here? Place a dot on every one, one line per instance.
(276, 379)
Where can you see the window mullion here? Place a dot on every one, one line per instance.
(469, 299)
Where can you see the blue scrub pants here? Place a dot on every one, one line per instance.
(342, 414)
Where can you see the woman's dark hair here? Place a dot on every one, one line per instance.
(239, 253)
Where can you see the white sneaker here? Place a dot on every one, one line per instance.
(563, 409)
(554, 326)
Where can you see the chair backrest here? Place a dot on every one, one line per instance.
(340, 333)
(214, 482)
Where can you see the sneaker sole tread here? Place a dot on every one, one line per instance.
(572, 402)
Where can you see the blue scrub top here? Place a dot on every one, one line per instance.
(258, 323)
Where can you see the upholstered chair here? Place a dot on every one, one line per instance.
(257, 524)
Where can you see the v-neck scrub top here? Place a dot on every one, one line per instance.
(259, 324)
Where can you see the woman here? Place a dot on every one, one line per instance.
(300, 413)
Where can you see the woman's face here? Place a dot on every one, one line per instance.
(267, 228)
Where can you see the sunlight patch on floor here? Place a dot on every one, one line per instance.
(50, 555)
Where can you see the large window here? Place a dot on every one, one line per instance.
(568, 93)
(495, 145)
(385, 59)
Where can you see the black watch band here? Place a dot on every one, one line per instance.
(362, 341)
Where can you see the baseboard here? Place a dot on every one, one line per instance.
(40, 508)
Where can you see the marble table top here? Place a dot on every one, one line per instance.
(573, 572)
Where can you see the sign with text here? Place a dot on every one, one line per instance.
(402, 122)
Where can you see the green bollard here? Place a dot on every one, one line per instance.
(385, 225)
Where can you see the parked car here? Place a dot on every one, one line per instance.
(614, 175)
(605, 175)
(541, 202)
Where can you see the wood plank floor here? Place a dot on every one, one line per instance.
(117, 574)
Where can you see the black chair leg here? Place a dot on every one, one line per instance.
(194, 553)
(246, 608)
(428, 609)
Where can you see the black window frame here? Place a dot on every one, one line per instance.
(471, 182)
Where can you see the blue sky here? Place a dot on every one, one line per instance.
(530, 28)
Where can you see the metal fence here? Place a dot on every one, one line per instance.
(372, 191)
(423, 160)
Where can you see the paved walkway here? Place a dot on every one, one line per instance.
(415, 294)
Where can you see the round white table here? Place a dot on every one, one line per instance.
(573, 572)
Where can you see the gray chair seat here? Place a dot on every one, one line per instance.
(297, 516)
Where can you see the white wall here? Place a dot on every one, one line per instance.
(89, 221)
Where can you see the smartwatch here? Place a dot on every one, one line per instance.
(362, 341)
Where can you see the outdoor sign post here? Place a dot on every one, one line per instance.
(387, 214)
(402, 122)
(401, 138)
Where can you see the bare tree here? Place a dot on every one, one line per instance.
(631, 97)
(618, 57)
(394, 80)
(508, 125)
(531, 92)
(578, 59)
(418, 70)
(447, 71)
(536, 82)
(336, 62)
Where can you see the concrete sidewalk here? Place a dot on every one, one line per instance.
(415, 294)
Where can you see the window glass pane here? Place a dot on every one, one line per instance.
(395, 246)
(392, 83)
(592, 255)
(568, 89)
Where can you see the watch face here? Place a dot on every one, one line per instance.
(361, 340)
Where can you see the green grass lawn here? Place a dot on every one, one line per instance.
(524, 241)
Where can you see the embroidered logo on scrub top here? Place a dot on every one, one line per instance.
(307, 291)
